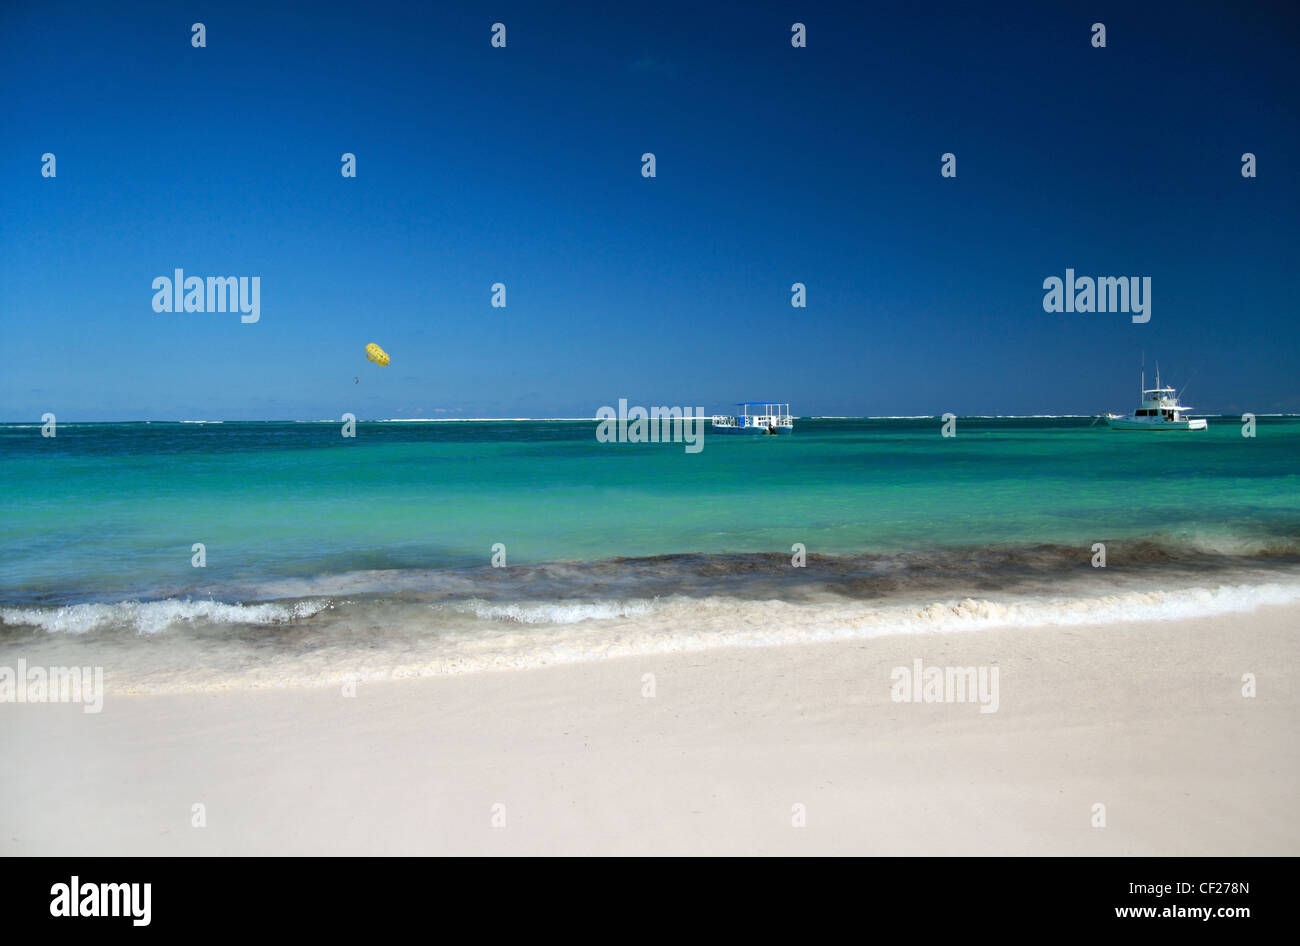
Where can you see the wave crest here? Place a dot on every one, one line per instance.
(153, 617)
(558, 612)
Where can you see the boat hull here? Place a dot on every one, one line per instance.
(752, 431)
(1128, 423)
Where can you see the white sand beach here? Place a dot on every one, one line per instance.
(1147, 719)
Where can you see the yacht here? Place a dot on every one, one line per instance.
(1158, 410)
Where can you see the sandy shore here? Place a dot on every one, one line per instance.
(1147, 719)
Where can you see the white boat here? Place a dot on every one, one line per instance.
(756, 417)
(1159, 410)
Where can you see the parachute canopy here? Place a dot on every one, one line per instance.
(376, 354)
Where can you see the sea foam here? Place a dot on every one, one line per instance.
(152, 617)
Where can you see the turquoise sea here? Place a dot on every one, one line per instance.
(333, 558)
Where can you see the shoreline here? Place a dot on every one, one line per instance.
(196, 645)
(1146, 718)
(177, 646)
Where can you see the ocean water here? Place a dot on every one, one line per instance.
(331, 559)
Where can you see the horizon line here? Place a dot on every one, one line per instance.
(473, 420)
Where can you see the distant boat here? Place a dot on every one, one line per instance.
(1159, 410)
(756, 417)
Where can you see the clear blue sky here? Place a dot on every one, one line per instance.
(522, 165)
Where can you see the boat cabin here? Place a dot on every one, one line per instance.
(757, 416)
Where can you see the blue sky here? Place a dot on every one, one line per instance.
(522, 165)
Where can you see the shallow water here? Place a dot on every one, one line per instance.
(330, 558)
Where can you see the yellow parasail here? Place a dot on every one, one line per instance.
(376, 354)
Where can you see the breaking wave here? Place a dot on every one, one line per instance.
(153, 617)
(562, 612)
